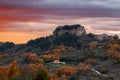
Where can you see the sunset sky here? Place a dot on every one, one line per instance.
(22, 20)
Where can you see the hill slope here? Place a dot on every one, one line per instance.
(96, 56)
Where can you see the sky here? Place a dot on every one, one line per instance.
(23, 20)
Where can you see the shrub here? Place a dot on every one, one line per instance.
(116, 61)
(91, 61)
(83, 67)
(3, 72)
(67, 70)
(12, 70)
(53, 77)
(103, 69)
(25, 73)
(42, 74)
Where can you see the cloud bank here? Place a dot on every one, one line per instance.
(41, 17)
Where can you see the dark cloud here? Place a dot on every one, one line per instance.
(81, 8)
(43, 16)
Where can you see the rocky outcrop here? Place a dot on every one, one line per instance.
(77, 30)
(103, 37)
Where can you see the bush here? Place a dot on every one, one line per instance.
(103, 69)
(12, 71)
(69, 59)
(91, 61)
(25, 73)
(83, 68)
(6, 45)
(103, 58)
(83, 58)
(116, 61)
(66, 70)
(42, 74)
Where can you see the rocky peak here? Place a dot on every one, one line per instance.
(77, 30)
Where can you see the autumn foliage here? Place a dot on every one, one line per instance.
(50, 57)
(91, 61)
(30, 57)
(9, 72)
(92, 46)
(3, 73)
(12, 70)
(83, 67)
(114, 50)
(66, 71)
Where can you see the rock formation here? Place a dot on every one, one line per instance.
(77, 30)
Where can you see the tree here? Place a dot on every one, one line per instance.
(48, 57)
(6, 45)
(25, 73)
(91, 61)
(66, 71)
(42, 74)
(57, 56)
(53, 77)
(83, 68)
(32, 58)
(12, 71)
(3, 74)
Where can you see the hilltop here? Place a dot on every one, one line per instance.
(96, 56)
(77, 30)
(68, 35)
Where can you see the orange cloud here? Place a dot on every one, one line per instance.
(19, 37)
(22, 20)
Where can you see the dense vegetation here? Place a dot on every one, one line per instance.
(6, 45)
(66, 57)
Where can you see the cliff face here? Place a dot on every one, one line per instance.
(77, 30)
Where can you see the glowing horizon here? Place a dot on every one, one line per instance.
(23, 20)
